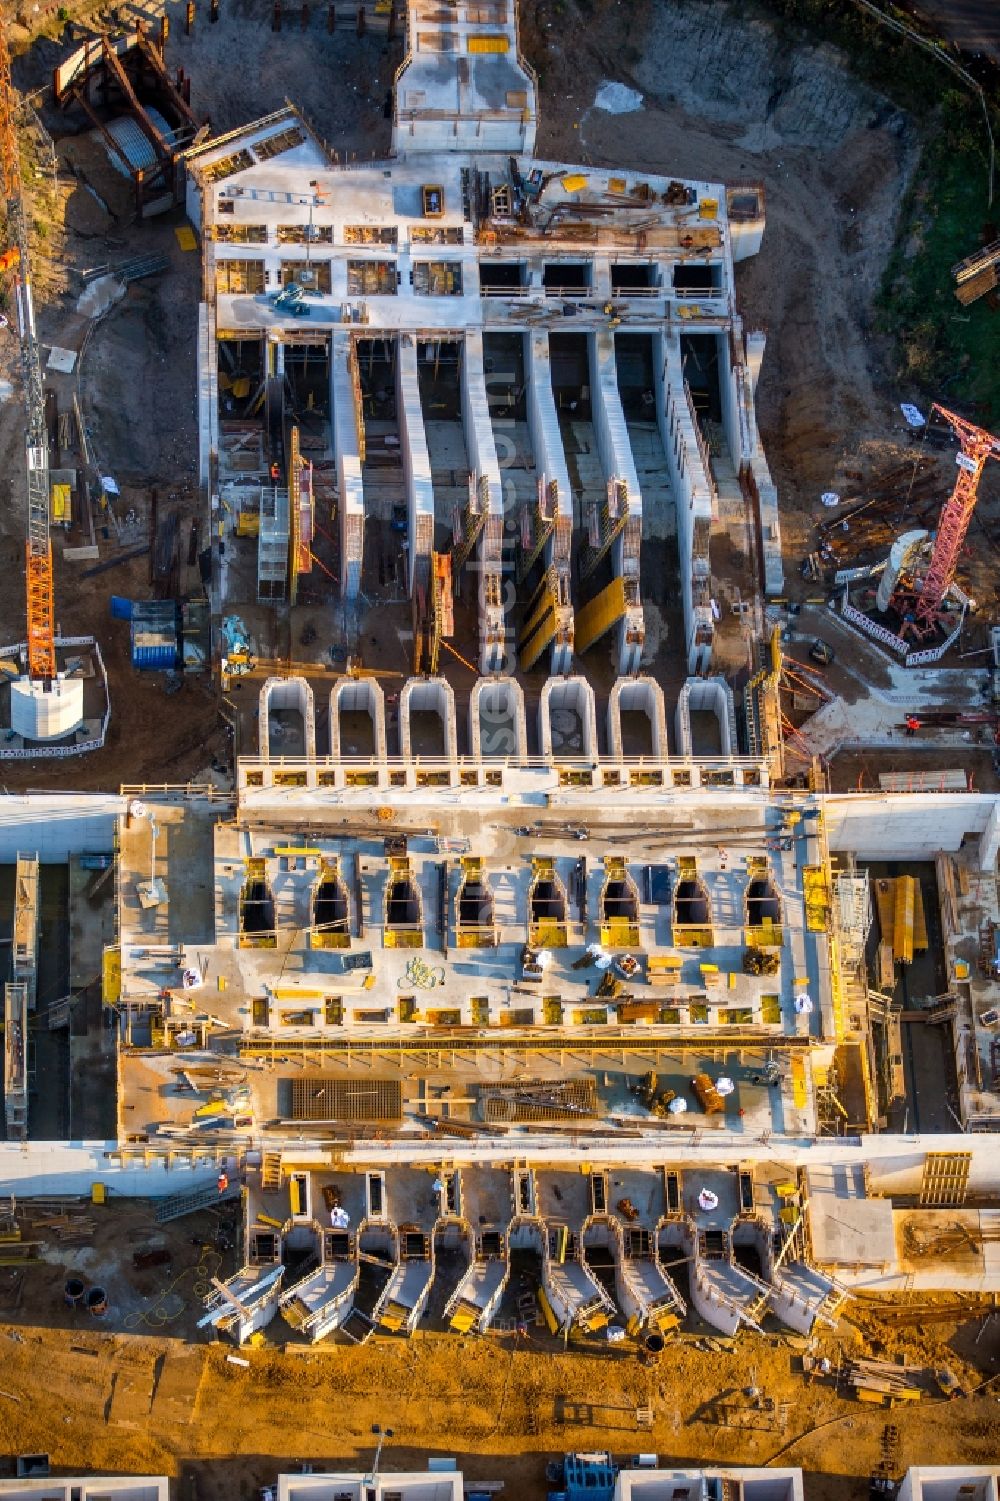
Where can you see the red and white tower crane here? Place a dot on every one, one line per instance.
(921, 610)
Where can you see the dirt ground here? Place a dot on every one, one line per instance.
(143, 1391)
(723, 99)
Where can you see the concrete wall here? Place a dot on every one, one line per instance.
(577, 696)
(476, 422)
(58, 826)
(287, 693)
(416, 459)
(87, 1488)
(208, 390)
(497, 724)
(351, 504)
(433, 696)
(608, 418)
(543, 420)
(949, 1483)
(916, 825)
(642, 695)
(364, 696)
(493, 645)
(689, 481)
(715, 696)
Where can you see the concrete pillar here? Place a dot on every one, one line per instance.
(693, 490)
(546, 439)
(487, 559)
(617, 460)
(755, 342)
(416, 459)
(550, 461)
(344, 427)
(989, 840)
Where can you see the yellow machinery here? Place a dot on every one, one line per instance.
(902, 920)
(547, 907)
(816, 891)
(619, 906)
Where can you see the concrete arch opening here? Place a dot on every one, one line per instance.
(287, 719)
(331, 909)
(567, 720)
(496, 720)
(357, 720)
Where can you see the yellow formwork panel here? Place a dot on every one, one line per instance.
(619, 933)
(548, 934)
(920, 942)
(400, 938)
(111, 976)
(799, 1094)
(547, 1314)
(599, 614)
(489, 44)
(817, 898)
(902, 920)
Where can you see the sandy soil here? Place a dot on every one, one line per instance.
(142, 1391)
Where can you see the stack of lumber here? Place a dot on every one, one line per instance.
(881, 1382)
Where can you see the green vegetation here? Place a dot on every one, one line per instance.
(943, 349)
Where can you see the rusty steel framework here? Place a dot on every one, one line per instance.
(38, 566)
(977, 446)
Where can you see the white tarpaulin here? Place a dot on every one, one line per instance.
(707, 1200)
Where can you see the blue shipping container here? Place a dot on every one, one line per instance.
(157, 656)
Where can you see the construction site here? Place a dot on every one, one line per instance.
(512, 1005)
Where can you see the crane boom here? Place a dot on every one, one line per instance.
(977, 446)
(38, 551)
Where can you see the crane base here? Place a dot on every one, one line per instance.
(46, 710)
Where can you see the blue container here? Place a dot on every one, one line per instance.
(121, 608)
(156, 657)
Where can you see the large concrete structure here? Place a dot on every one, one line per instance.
(463, 309)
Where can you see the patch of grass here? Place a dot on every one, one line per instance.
(944, 351)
